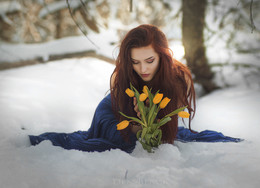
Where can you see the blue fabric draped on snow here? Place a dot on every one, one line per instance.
(102, 135)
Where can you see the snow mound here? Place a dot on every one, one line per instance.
(62, 96)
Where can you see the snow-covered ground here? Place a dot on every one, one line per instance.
(21, 52)
(62, 96)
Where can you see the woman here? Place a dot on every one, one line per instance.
(144, 59)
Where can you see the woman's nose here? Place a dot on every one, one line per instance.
(143, 67)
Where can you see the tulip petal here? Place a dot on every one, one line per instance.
(158, 97)
(122, 125)
(164, 102)
(183, 114)
(129, 92)
(142, 97)
(145, 90)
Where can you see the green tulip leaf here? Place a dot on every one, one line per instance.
(143, 133)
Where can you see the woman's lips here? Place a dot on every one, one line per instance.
(145, 75)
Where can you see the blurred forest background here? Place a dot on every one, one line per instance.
(215, 38)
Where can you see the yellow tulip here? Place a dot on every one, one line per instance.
(184, 114)
(129, 92)
(142, 97)
(122, 125)
(164, 102)
(145, 90)
(158, 97)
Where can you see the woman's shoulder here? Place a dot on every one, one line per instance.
(112, 79)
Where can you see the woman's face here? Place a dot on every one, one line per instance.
(145, 62)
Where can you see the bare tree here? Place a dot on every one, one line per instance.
(193, 22)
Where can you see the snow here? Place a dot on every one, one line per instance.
(7, 7)
(52, 7)
(22, 52)
(61, 96)
(55, 6)
(223, 43)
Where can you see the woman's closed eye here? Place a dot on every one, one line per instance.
(147, 61)
(150, 61)
(135, 62)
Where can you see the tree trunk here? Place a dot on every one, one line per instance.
(59, 20)
(193, 22)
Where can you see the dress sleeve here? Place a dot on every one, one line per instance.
(101, 136)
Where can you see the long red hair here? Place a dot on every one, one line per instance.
(173, 79)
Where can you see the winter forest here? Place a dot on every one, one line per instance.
(56, 59)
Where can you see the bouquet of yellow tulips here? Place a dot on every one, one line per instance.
(150, 135)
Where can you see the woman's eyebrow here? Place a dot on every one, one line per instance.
(149, 58)
(145, 59)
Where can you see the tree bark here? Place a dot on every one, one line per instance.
(193, 22)
(59, 20)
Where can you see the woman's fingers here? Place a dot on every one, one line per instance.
(135, 105)
(135, 102)
(147, 102)
(136, 108)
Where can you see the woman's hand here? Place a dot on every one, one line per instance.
(136, 108)
(135, 128)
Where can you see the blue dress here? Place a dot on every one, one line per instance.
(103, 135)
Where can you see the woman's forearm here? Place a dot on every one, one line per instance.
(135, 128)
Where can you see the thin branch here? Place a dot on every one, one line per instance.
(131, 6)
(85, 9)
(251, 16)
(84, 32)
